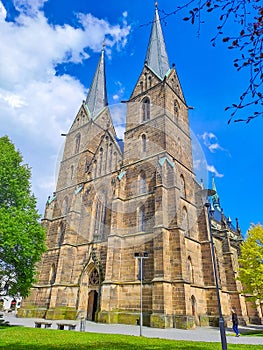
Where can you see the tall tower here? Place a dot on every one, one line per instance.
(155, 210)
(111, 204)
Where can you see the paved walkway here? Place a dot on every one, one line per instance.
(207, 334)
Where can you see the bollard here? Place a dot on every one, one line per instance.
(82, 324)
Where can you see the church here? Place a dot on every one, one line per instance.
(126, 224)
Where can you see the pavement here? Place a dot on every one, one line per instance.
(205, 334)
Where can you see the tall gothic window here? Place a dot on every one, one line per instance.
(146, 109)
(190, 270)
(100, 217)
(115, 161)
(100, 160)
(143, 143)
(77, 143)
(61, 233)
(185, 222)
(176, 110)
(141, 218)
(65, 206)
(52, 274)
(182, 187)
(110, 156)
(142, 182)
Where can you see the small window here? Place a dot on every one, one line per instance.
(61, 233)
(141, 221)
(190, 270)
(176, 110)
(185, 222)
(146, 109)
(52, 274)
(142, 182)
(143, 143)
(77, 143)
(182, 187)
(65, 206)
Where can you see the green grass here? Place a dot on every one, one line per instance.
(22, 338)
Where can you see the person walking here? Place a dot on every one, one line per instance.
(235, 322)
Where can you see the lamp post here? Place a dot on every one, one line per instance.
(204, 196)
(140, 258)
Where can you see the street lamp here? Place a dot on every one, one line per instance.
(140, 258)
(205, 194)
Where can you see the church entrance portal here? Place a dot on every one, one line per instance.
(92, 305)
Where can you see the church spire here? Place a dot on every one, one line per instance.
(215, 197)
(156, 57)
(97, 95)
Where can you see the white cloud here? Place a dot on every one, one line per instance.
(211, 142)
(3, 12)
(36, 105)
(213, 170)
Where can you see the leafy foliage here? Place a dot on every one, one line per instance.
(246, 16)
(251, 261)
(22, 239)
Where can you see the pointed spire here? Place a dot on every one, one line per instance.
(97, 95)
(156, 56)
(215, 197)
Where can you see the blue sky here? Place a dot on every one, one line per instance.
(48, 54)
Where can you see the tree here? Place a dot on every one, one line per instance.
(251, 263)
(240, 25)
(22, 238)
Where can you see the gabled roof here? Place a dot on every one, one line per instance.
(97, 95)
(156, 57)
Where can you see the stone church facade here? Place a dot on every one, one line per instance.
(114, 199)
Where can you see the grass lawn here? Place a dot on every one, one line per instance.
(22, 338)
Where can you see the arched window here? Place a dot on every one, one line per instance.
(190, 271)
(182, 187)
(101, 157)
(110, 156)
(185, 222)
(115, 160)
(77, 143)
(141, 218)
(52, 274)
(193, 302)
(71, 172)
(176, 110)
(94, 278)
(142, 182)
(100, 218)
(146, 109)
(65, 206)
(150, 81)
(61, 233)
(143, 143)
(141, 85)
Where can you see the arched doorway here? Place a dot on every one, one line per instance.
(92, 305)
(88, 301)
(94, 281)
